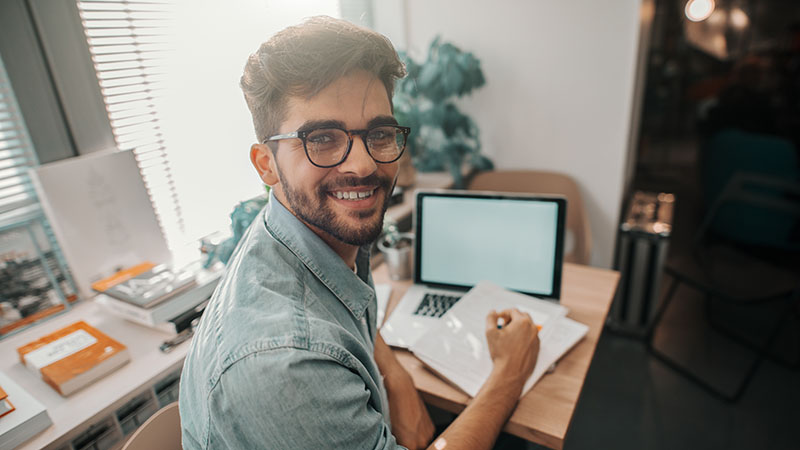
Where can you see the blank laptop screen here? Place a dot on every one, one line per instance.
(511, 242)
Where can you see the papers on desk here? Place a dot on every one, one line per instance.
(457, 350)
(382, 292)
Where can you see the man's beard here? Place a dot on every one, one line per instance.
(320, 214)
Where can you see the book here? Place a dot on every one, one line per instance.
(183, 321)
(28, 418)
(205, 283)
(100, 212)
(5, 404)
(73, 357)
(456, 349)
(146, 285)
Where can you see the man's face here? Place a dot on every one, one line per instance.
(356, 101)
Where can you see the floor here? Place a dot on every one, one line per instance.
(633, 401)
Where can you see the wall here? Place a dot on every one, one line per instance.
(560, 77)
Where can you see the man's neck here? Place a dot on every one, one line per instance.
(347, 252)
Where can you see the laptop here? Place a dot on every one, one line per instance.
(463, 237)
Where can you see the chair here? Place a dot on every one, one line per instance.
(161, 431)
(578, 240)
(745, 251)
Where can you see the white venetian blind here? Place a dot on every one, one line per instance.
(129, 45)
(17, 197)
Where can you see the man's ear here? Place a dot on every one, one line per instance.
(264, 161)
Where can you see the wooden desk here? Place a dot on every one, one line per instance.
(543, 414)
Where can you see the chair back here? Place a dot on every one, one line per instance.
(161, 431)
(749, 156)
(578, 239)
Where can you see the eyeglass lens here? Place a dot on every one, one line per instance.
(327, 146)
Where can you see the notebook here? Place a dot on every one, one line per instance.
(457, 349)
(462, 237)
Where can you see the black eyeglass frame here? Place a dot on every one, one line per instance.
(303, 134)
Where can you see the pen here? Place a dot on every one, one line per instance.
(500, 323)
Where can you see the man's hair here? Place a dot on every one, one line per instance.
(304, 59)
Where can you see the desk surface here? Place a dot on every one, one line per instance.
(543, 414)
(72, 415)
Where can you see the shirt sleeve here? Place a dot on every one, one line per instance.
(294, 399)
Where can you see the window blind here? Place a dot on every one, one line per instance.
(128, 42)
(19, 204)
(17, 196)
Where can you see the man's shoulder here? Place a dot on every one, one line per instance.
(263, 302)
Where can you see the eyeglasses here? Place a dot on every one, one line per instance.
(329, 147)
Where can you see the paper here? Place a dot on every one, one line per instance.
(457, 349)
(382, 293)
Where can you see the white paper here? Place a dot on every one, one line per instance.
(382, 293)
(59, 349)
(457, 347)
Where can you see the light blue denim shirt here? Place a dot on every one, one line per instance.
(283, 356)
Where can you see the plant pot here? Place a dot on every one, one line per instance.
(398, 256)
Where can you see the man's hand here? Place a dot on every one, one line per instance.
(411, 424)
(514, 347)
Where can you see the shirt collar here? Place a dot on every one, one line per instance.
(352, 289)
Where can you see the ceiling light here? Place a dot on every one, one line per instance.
(739, 18)
(699, 10)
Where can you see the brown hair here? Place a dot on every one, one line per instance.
(304, 59)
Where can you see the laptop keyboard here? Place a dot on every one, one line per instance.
(435, 305)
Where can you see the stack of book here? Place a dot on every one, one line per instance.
(24, 416)
(156, 295)
(73, 357)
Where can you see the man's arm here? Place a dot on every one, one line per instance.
(290, 398)
(411, 423)
(514, 350)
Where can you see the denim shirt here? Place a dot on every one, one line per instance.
(283, 356)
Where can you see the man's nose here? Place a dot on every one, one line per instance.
(358, 162)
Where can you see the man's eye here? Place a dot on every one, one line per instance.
(321, 138)
(380, 134)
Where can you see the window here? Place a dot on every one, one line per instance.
(169, 72)
(17, 197)
(35, 282)
(128, 41)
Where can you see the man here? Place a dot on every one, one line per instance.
(287, 355)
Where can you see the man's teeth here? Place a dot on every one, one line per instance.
(352, 195)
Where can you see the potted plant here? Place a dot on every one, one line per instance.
(444, 138)
(396, 248)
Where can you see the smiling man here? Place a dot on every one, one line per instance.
(287, 355)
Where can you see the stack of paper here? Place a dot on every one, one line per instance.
(146, 285)
(163, 314)
(457, 349)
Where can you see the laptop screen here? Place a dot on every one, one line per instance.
(513, 240)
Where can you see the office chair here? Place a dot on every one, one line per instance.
(746, 249)
(578, 239)
(161, 431)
